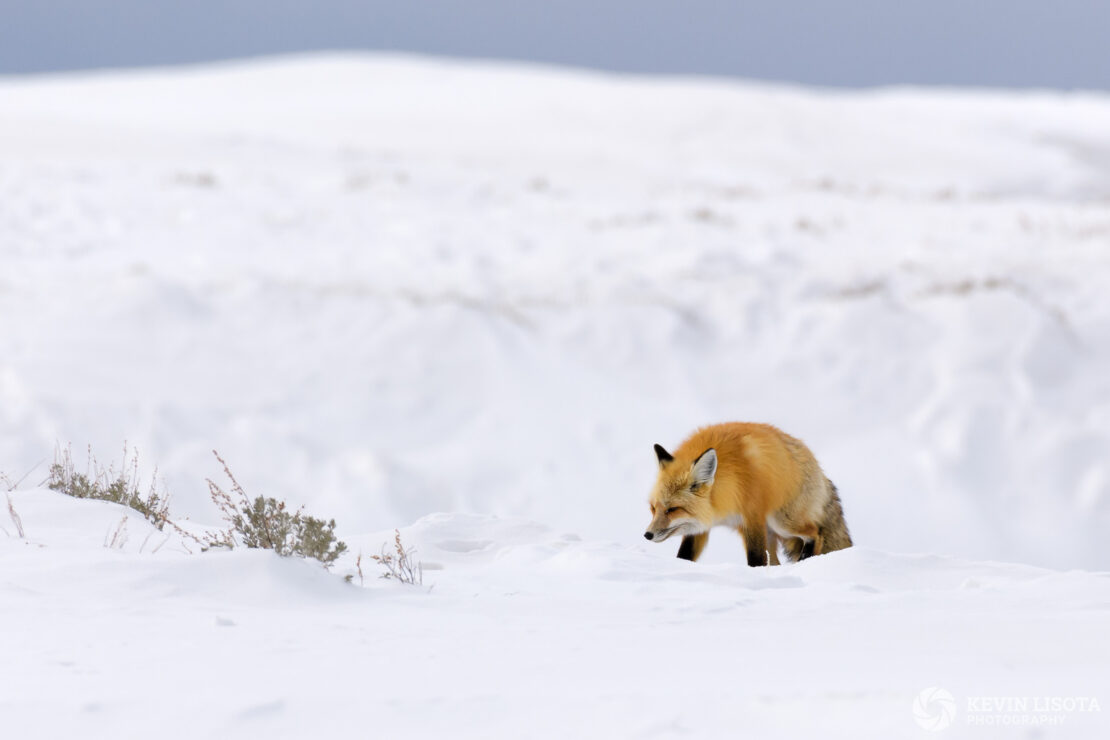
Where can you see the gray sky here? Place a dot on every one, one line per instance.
(1022, 43)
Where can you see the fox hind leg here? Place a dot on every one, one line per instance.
(792, 548)
(799, 540)
(812, 542)
(808, 549)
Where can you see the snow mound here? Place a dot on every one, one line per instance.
(515, 624)
(385, 287)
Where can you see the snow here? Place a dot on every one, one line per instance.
(526, 632)
(464, 300)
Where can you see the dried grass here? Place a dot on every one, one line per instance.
(400, 564)
(266, 523)
(106, 484)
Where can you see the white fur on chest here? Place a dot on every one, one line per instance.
(732, 520)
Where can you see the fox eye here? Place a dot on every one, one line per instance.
(672, 510)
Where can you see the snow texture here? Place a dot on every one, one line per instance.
(465, 300)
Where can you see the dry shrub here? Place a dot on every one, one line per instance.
(105, 484)
(265, 523)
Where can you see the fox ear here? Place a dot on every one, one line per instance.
(664, 456)
(705, 468)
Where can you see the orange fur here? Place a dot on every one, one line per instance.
(765, 483)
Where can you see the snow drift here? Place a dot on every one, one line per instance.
(389, 287)
(465, 300)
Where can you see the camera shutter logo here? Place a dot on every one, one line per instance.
(934, 709)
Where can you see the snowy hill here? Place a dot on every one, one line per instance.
(465, 300)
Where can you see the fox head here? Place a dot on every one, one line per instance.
(680, 499)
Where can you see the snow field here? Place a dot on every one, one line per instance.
(464, 300)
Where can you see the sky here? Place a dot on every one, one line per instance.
(994, 43)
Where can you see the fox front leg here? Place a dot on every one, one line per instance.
(755, 542)
(692, 545)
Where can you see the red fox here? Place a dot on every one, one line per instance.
(755, 478)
